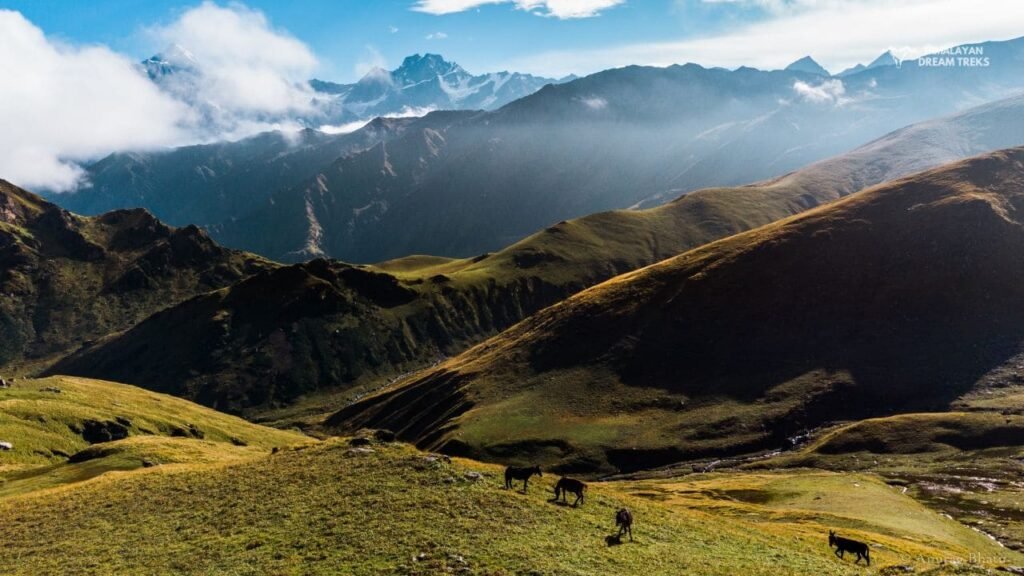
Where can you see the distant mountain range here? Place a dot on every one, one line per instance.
(209, 183)
(886, 59)
(466, 184)
(462, 183)
(421, 84)
(808, 65)
(426, 82)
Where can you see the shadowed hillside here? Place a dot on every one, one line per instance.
(210, 183)
(898, 298)
(67, 279)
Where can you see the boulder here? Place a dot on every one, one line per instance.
(96, 431)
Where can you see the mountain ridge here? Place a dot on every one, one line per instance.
(68, 279)
(425, 82)
(451, 303)
(733, 346)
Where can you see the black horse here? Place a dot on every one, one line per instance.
(624, 522)
(570, 485)
(524, 474)
(852, 546)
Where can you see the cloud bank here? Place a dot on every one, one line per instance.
(62, 104)
(243, 65)
(827, 92)
(59, 104)
(562, 9)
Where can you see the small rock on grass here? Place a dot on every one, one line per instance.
(361, 451)
(473, 476)
(896, 569)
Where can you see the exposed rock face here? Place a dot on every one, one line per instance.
(68, 279)
(96, 431)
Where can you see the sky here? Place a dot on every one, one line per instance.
(558, 37)
(72, 90)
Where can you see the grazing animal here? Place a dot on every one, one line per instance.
(570, 485)
(624, 522)
(843, 545)
(524, 474)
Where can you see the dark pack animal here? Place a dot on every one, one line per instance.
(843, 545)
(624, 522)
(570, 485)
(524, 474)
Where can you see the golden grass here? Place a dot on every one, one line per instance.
(325, 509)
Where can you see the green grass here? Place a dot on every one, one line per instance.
(967, 465)
(42, 424)
(225, 504)
(811, 503)
(325, 510)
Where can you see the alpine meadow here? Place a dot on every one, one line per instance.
(512, 287)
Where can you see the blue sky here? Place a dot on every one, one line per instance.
(346, 35)
(488, 35)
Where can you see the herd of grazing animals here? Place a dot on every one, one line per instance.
(624, 518)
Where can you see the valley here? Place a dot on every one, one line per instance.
(708, 288)
(381, 321)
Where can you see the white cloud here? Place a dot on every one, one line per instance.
(562, 9)
(243, 64)
(372, 62)
(349, 127)
(595, 103)
(838, 33)
(60, 104)
(828, 92)
(436, 36)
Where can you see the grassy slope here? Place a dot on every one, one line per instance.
(729, 347)
(966, 464)
(42, 424)
(326, 510)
